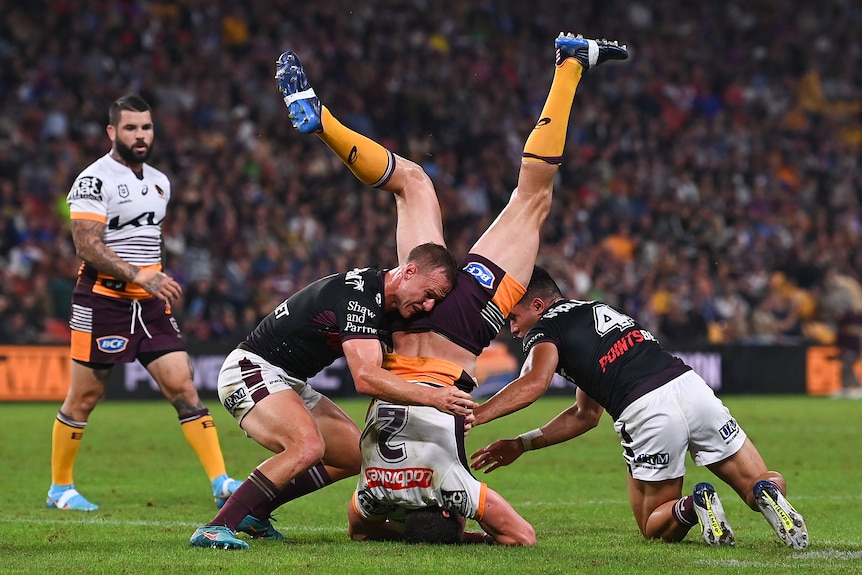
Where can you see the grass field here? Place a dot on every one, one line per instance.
(136, 465)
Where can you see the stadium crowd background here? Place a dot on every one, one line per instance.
(711, 184)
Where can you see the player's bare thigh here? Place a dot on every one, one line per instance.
(743, 469)
(647, 496)
(419, 219)
(341, 436)
(512, 240)
(281, 422)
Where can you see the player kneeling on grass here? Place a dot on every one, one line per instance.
(661, 408)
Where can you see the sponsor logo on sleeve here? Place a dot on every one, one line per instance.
(729, 430)
(87, 188)
(458, 502)
(482, 274)
(355, 279)
(371, 506)
(112, 343)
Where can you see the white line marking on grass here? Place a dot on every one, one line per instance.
(99, 521)
(831, 554)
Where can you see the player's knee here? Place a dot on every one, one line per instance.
(79, 407)
(311, 450)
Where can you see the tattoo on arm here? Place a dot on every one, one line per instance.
(91, 248)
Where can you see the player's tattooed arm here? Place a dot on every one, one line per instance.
(90, 247)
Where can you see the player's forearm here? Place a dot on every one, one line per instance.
(515, 396)
(386, 386)
(106, 261)
(567, 425)
(91, 248)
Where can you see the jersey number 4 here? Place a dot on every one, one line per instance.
(608, 319)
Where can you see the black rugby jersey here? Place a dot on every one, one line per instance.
(304, 333)
(605, 352)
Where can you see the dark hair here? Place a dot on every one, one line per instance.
(430, 256)
(428, 525)
(130, 102)
(542, 285)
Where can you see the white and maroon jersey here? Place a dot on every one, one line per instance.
(132, 210)
(605, 352)
(413, 457)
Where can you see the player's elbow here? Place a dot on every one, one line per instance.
(525, 536)
(363, 384)
(591, 418)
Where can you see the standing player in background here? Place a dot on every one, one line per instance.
(441, 348)
(121, 305)
(661, 408)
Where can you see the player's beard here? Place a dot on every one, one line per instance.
(130, 156)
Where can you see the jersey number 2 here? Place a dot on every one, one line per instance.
(392, 419)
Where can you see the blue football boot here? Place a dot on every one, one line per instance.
(590, 53)
(67, 497)
(302, 103)
(223, 487)
(216, 537)
(259, 528)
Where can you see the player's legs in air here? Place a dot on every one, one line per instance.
(512, 240)
(419, 219)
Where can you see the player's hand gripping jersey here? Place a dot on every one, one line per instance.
(605, 352)
(132, 210)
(304, 333)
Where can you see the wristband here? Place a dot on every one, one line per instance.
(528, 438)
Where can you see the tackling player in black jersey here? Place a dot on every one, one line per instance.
(661, 409)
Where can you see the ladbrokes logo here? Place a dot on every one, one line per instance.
(399, 478)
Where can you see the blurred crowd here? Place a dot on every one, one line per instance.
(711, 184)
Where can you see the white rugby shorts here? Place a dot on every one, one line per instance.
(683, 415)
(246, 378)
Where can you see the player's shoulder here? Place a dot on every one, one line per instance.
(102, 167)
(154, 173)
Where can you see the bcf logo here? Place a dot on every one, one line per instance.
(482, 274)
(112, 343)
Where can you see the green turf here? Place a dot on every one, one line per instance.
(135, 463)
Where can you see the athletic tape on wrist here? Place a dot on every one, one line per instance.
(528, 438)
